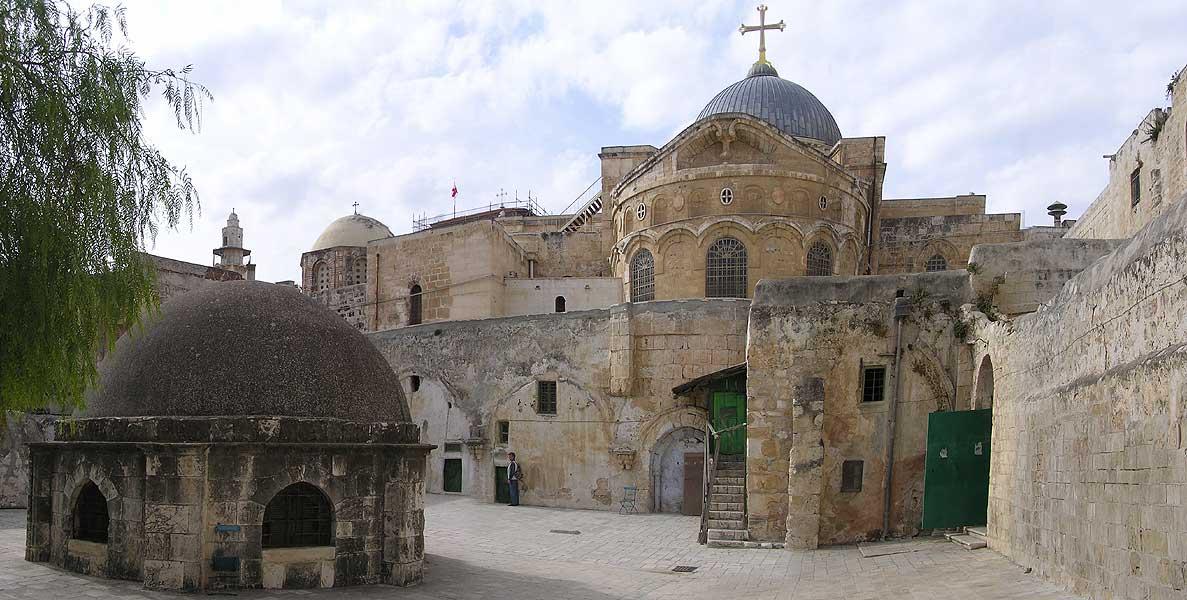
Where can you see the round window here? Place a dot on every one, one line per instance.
(641, 211)
(823, 203)
(727, 196)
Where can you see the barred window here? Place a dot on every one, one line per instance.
(504, 432)
(936, 263)
(1135, 187)
(642, 276)
(321, 276)
(414, 302)
(299, 515)
(546, 397)
(90, 515)
(873, 384)
(725, 269)
(820, 260)
(358, 270)
(851, 475)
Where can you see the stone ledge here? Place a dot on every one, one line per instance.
(231, 429)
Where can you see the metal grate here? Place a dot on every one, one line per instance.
(642, 276)
(565, 531)
(820, 260)
(873, 384)
(546, 397)
(683, 569)
(300, 515)
(936, 263)
(725, 269)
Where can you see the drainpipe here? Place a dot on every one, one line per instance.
(902, 307)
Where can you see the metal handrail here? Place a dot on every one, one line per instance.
(710, 474)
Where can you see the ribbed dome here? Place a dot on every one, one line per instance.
(351, 230)
(247, 348)
(788, 106)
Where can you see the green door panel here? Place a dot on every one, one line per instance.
(453, 475)
(956, 471)
(502, 488)
(729, 409)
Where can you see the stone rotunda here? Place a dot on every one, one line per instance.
(243, 437)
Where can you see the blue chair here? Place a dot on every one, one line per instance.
(628, 500)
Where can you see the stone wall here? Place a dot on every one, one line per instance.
(1089, 463)
(1161, 165)
(912, 231)
(538, 296)
(350, 302)
(1016, 278)
(16, 431)
(809, 341)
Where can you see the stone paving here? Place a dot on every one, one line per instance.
(477, 550)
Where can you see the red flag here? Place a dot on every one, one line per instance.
(454, 193)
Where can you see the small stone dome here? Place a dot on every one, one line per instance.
(242, 348)
(786, 105)
(351, 230)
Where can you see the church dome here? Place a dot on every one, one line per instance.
(242, 348)
(351, 230)
(786, 105)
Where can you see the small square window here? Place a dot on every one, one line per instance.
(851, 475)
(453, 447)
(546, 397)
(873, 384)
(504, 432)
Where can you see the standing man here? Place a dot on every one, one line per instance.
(513, 477)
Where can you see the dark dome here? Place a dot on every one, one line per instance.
(791, 108)
(247, 348)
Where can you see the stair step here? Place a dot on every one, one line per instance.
(726, 544)
(970, 542)
(719, 480)
(726, 515)
(725, 498)
(977, 531)
(725, 506)
(726, 489)
(728, 534)
(726, 524)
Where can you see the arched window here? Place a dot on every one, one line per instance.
(560, 304)
(90, 515)
(820, 260)
(642, 276)
(299, 515)
(321, 276)
(936, 263)
(725, 269)
(414, 302)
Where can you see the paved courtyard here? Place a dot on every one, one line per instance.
(477, 550)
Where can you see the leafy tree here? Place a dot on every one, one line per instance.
(80, 189)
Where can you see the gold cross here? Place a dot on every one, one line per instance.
(762, 29)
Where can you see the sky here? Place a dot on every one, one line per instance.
(318, 105)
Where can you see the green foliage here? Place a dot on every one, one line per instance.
(961, 330)
(1154, 128)
(80, 190)
(1170, 87)
(973, 268)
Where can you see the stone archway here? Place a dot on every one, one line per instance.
(668, 460)
(983, 396)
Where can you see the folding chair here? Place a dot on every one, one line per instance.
(628, 500)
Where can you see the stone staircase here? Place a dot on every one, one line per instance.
(727, 504)
(973, 538)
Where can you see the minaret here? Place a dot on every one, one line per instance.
(231, 253)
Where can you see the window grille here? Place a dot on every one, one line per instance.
(321, 276)
(1135, 187)
(851, 475)
(504, 432)
(725, 269)
(546, 397)
(358, 270)
(298, 516)
(936, 263)
(820, 260)
(90, 515)
(642, 276)
(823, 203)
(414, 303)
(873, 384)
(727, 196)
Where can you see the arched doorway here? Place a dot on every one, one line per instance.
(983, 397)
(90, 515)
(677, 467)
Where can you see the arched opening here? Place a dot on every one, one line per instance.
(819, 260)
(725, 269)
(677, 471)
(983, 397)
(298, 516)
(414, 303)
(559, 304)
(642, 276)
(321, 276)
(936, 263)
(356, 271)
(90, 515)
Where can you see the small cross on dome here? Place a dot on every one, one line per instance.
(356, 207)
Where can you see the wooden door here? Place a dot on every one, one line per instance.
(729, 410)
(502, 488)
(452, 475)
(694, 483)
(956, 470)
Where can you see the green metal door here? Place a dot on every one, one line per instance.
(956, 471)
(502, 488)
(729, 409)
(453, 475)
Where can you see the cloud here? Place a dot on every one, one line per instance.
(319, 105)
